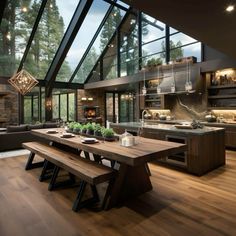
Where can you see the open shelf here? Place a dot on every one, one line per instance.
(222, 96)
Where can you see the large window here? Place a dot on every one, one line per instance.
(15, 29)
(99, 45)
(33, 106)
(51, 28)
(63, 105)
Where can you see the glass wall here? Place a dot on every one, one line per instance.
(182, 45)
(99, 45)
(51, 28)
(63, 105)
(126, 113)
(91, 22)
(33, 106)
(15, 29)
(129, 51)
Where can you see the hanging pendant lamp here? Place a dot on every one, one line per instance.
(23, 81)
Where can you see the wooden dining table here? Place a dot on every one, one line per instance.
(132, 177)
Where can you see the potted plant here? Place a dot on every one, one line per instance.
(90, 129)
(83, 129)
(98, 130)
(108, 134)
(77, 128)
(71, 126)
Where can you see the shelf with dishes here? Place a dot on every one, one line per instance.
(221, 95)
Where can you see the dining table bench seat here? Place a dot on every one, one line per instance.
(89, 172)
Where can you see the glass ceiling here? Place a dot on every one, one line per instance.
(84, 36)
(91, 41)
(100, 43)
(51, 28)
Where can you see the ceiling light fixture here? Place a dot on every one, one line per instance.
(144, 89)
(229, 8)
(23, 81)
(24, 9)
(158, 84)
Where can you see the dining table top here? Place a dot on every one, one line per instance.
(144, 150)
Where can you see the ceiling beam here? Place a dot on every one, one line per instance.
(72, 30)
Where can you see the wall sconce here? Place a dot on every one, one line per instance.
(90, 99)
(48, 104)
(83, 99)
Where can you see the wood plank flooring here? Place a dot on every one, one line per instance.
(180, 204)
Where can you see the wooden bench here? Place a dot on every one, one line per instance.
(89, 172)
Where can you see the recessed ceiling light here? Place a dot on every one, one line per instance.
(229, 8)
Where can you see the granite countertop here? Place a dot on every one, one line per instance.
(167, 127)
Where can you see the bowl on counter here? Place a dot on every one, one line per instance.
(210, 118)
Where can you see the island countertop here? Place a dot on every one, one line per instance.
(205, 146)
(133, 126)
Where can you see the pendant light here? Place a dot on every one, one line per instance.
(188, 84)
(23, 82)
(144, 89)
(172, 87)
(158, 77)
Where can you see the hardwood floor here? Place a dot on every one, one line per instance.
(180, 204)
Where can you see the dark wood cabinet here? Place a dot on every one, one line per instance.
(205, 151)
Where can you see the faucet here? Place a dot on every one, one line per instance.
(142, 120)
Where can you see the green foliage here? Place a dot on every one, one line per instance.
(154, 62)
(90, 127)
(176, 53)
(109, 27)
(107, 132)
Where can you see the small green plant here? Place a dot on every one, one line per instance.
(77, 127)
(71, 125)
(90, 129)
(98, 130)
(83, 129)
(107, 133)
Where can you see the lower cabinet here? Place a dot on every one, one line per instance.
(205, 151)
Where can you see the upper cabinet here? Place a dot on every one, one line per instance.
(222, 89)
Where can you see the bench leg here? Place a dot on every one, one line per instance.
(107, 194)
(78, 203)
(51, 185)
(66, 183)
(30, 165)
(46, 171)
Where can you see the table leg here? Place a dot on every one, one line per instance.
(131, 181)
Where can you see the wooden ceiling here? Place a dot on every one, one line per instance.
(205, 20)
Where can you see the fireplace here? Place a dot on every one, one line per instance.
(91, 111)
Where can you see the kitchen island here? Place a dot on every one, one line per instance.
(206, 146)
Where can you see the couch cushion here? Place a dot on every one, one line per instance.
(36, 126)
(17, 128)
(50, 125)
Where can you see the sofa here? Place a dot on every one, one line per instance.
(16, 135)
